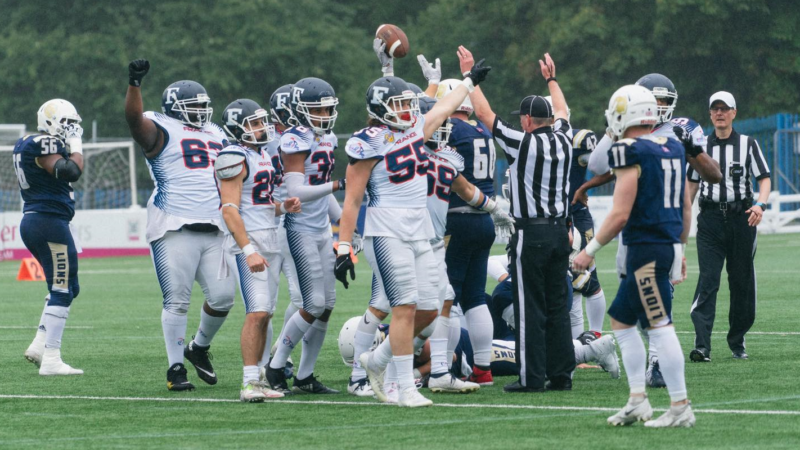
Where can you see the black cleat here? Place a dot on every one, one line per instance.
(310, 385)
(176, 378)
(699, 355)
(277, 380)
(740, 355)
(654, 377)
(516, 387)
(201, 359)
(563, 386)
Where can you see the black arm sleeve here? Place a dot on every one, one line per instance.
(66, 170)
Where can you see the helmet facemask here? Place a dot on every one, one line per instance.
(401, 110)
(442, 134)
(320, 124)
(194, 112)
(671, 100)
(252, 125)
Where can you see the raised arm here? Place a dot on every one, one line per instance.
(480, 105)
(548, 67)
(143, 130)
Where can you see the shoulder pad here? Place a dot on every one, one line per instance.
(452, 157)
(230, 163)
(296, 139)
(660, 140)
(627, 141)
(358, 148)
(584, 140)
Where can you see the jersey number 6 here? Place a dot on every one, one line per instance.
(195, 153)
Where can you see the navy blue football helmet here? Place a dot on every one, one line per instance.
(442, 134)
(280, 106)
(246, 121)
(663, 89)
(392, 102)
(188, 102)
(416, 89)
(311, 93)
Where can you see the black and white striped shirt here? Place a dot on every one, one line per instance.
(739, 158)
(539, 164)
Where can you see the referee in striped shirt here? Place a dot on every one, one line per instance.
(726, 229)
(539, 162)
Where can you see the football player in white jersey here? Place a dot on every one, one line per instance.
(388, 161)
(693, 138)
(183, 222)
(307, 150)
(246, 183)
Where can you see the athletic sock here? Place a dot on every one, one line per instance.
(633, 357)
(55, 320)
(288, 314)
(267, 346)
(365, 335)
(294, 330)
(174, 328)
(405, 371)
(671, 361)
(481, 330)
(596, 310)
(312, 344)
(42, 326)
(438, 342)
(382, 355)
(209, 325)
(454, 328)
(250, 374)
(391, 373)
(576, 315)
(582, 352)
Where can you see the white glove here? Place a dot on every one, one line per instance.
(356, 243)
(503, 224)
(431, 72)
(387, 62)
(73, 133)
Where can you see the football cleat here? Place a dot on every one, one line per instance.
(450, 384)
(699, 355)
(257, 392)
(52, 364)
(375, 377)
(653, 376)
(392, 392)
(201, 359)
(676, 417)
(411, 398)
(276, 378)
(310, 385)
(605, 353)
(481, 377)
(176, 378)
(360, 388)
(36, 350)
(632, 413)
(740, 354)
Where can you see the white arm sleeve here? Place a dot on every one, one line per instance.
(334, 210)
(296, 188)
(598, 160)
(497, 266)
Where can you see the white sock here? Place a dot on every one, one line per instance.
(294, 330)
(596, 310)
(267, 346)
(582, 352)
(633, 357)
(312, 344)
(55, 320)
(651, 349)
(209, 325)
(290, 311)
(438, 342)
(391, 373)
(365, 335)
(382, 355)
(453, 338)
(481, 330)
(250, 374)
(174, 328)
(405, 371)
(576, 315)
(42, 326)
(670, 360)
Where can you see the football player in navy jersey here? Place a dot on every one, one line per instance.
(651, 209)
(45, 164)
(470, 232)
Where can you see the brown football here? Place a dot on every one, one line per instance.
(395, 39)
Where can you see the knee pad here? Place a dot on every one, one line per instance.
(180, 308)
(313, 308)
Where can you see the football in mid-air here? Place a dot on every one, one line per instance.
(395, 40)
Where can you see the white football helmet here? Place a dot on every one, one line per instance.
(55, 115)
(446, 86)
(347, 340)
(630, 106)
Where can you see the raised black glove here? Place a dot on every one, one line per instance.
(478, 72)
(686, 139)
(343, 264)
(137, 69)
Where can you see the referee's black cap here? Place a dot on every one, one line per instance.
(534, 106)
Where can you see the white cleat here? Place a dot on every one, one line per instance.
(675, 417)
(411, 398)
(449, 383)
(605, 351)
(375, 377)
(392, 392)
(36, 349)
(360, 388)
(53, 365)
(632, 413)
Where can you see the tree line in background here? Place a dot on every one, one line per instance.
(79, 50)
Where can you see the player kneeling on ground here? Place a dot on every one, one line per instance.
(246, 182)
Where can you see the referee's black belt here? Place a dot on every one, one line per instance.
(540, 221)
(201, 227)
(726, 207)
